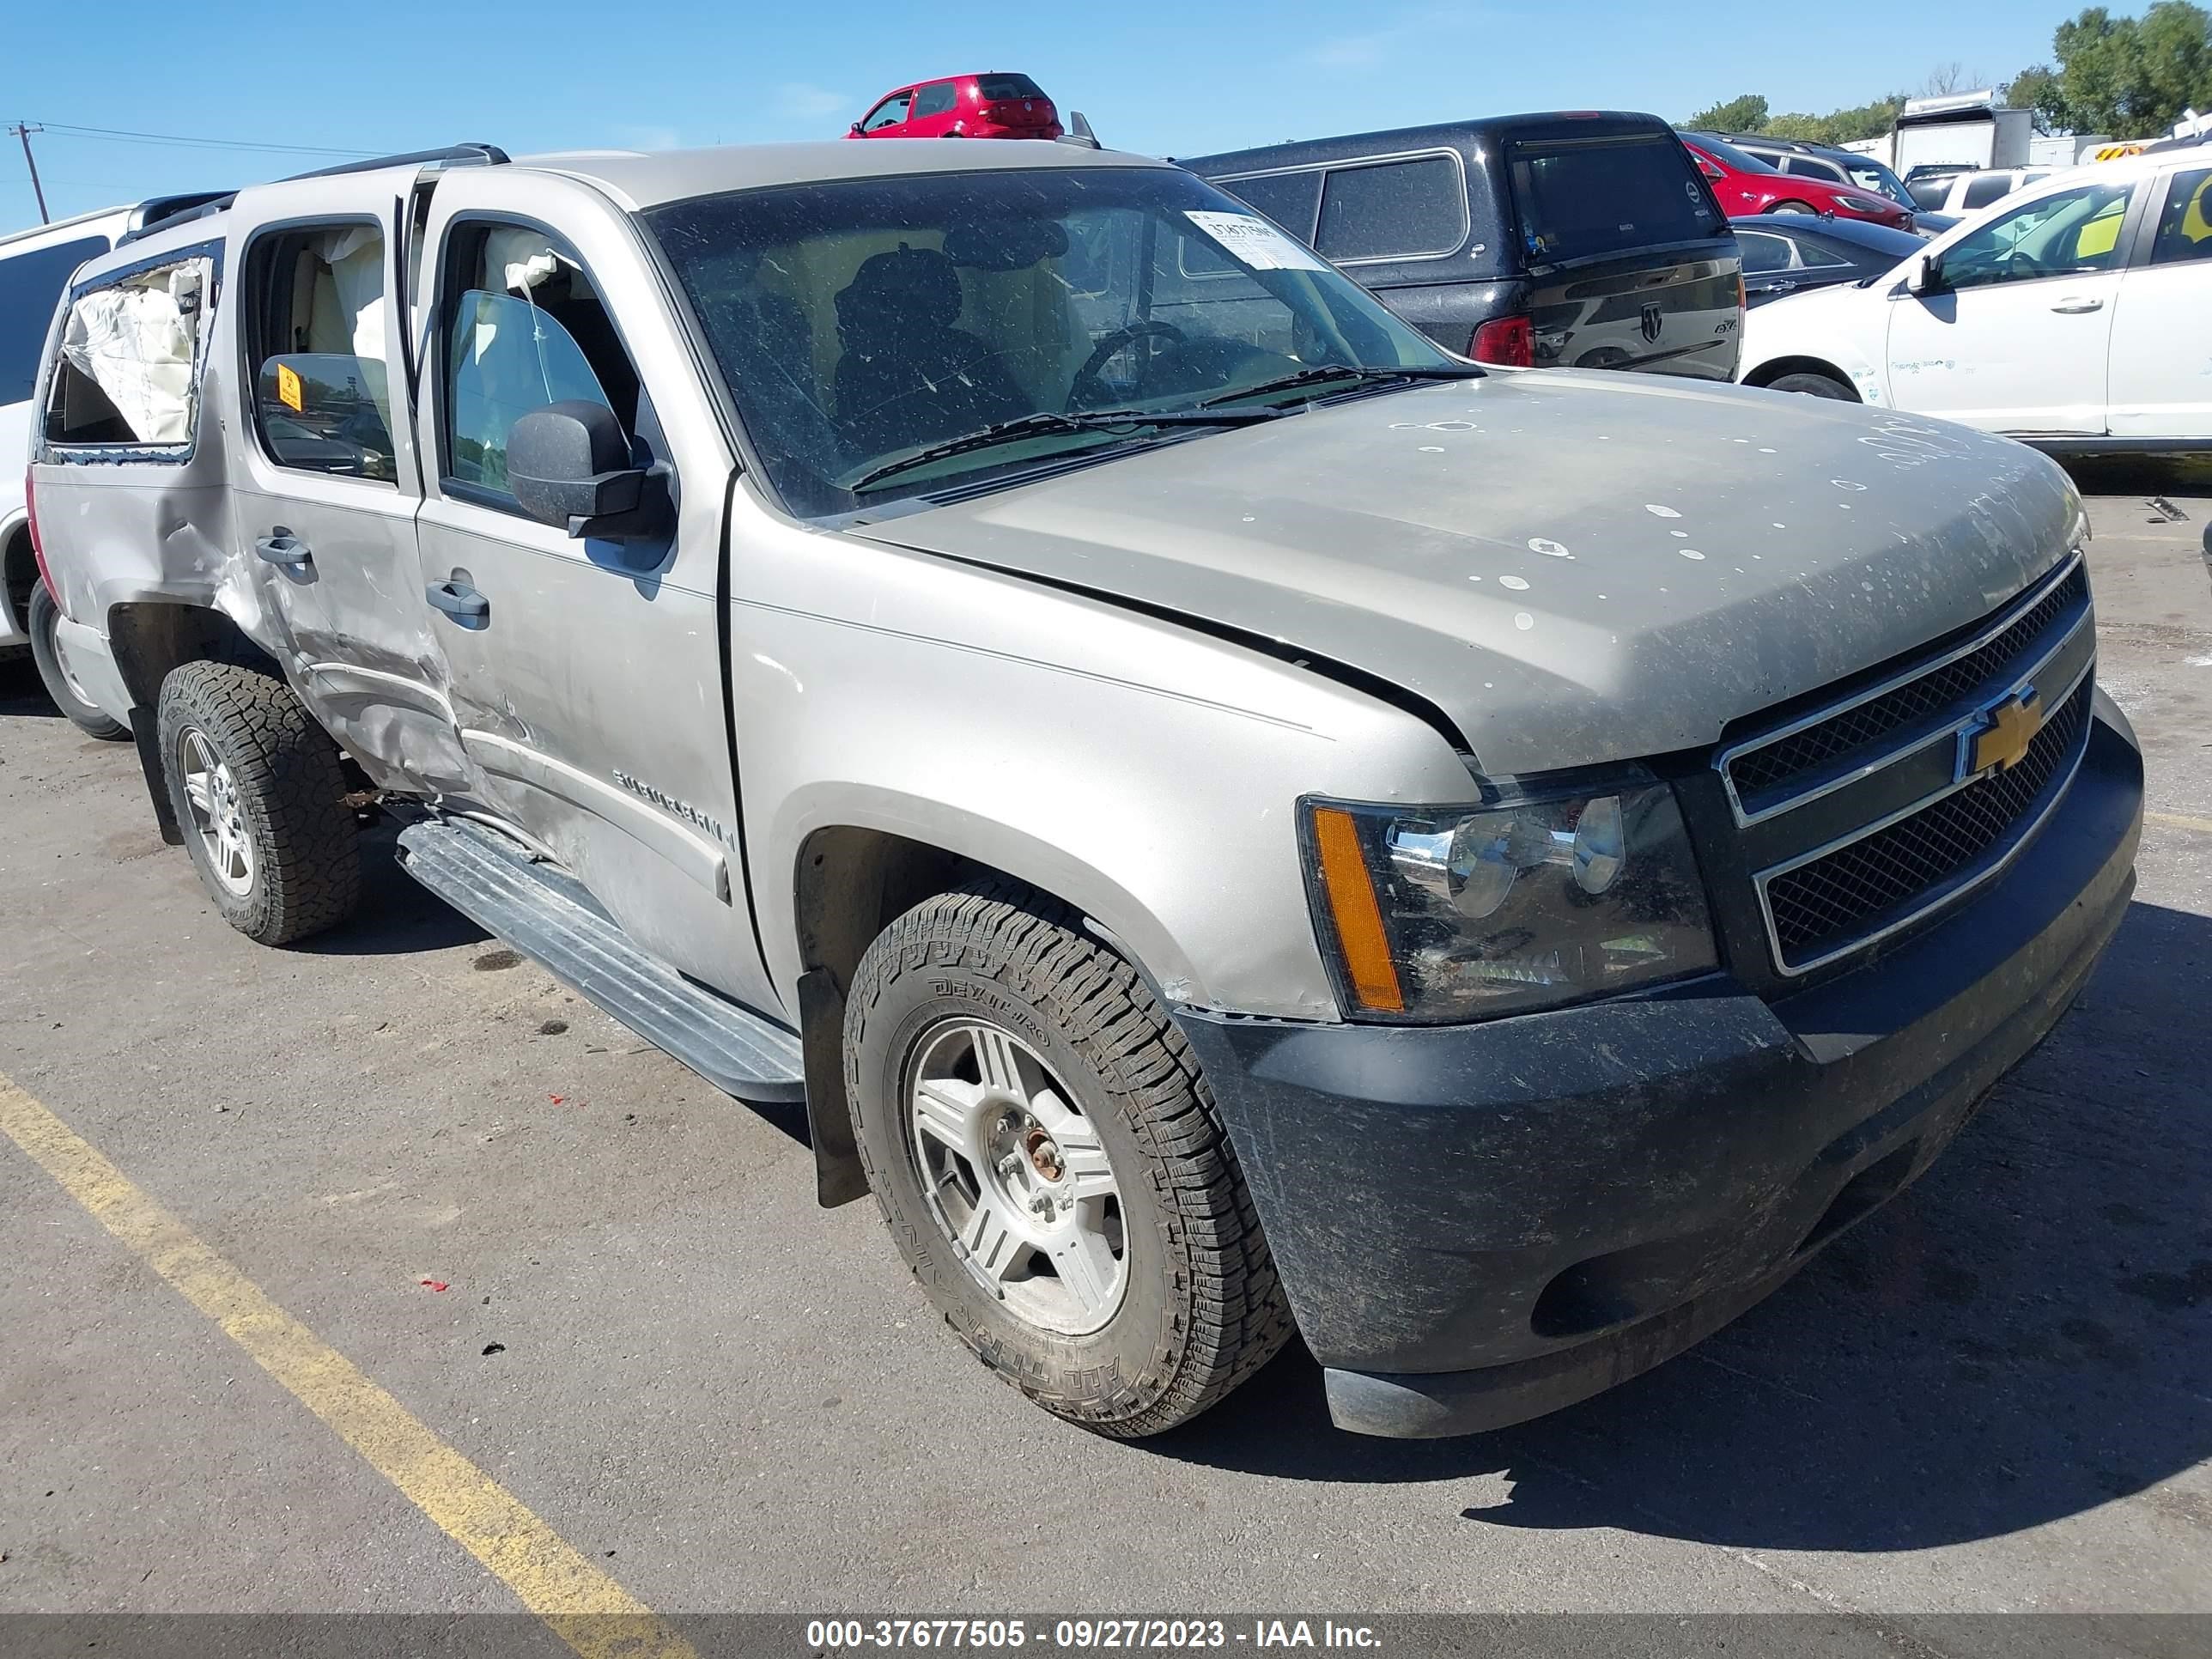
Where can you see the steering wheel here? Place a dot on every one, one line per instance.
(1088, 390)
(2021, 261)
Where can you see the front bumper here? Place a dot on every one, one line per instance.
(1477, 1225)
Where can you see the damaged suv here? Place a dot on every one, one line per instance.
(1229, 817)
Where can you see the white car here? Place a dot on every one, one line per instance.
(1972, 190)
(2076, 314)
(35, 267)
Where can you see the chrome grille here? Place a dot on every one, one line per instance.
(1867, 814)
(1852, 889)
(1774, 767)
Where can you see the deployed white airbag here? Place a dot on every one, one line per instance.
(137, 343)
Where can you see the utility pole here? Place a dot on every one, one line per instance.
(23, 129)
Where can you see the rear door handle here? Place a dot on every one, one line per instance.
(281, 546)
(2075, 308)
(460, 602)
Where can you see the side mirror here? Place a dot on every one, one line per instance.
(569, 464)
(1926, 275)
(853, 130)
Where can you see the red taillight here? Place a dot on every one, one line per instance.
(1510, 341)
(31, 523)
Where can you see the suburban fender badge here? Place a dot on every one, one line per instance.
(1996, 739)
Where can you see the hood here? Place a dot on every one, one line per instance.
(1570, 567)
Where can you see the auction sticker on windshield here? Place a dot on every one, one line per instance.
(1253, 240)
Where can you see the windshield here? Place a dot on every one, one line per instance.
(1873, 176)
(860, 322)
(1728, 156)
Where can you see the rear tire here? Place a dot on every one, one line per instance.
(47, 651)
(260, 795)
(1065, 1122)
(1813, 384)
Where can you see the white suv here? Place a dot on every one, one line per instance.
(2076, 313)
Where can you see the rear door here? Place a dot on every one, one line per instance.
(2161, 351)
(935, 112)
(1630, 265)
(325, 486)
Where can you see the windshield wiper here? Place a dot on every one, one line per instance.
(1053, 420)
(1322, 371)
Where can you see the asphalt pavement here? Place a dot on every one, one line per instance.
(1995, 1396)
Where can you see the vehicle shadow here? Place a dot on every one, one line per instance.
(2140, 474)
(398, 915)
(2022, 1336)
(21, 694)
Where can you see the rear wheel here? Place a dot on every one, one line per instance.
(260, 795)
(1814, 384)
(1050, 1162)
(58, 677)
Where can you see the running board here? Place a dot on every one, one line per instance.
(548, 916)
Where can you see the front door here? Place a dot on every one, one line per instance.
(2015, 337)
(2163, 326)
(588, 673)
(324, 487)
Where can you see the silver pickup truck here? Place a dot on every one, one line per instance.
(1230, 819)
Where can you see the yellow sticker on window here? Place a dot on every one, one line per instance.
(287, 387)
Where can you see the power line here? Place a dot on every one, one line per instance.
(118, 135)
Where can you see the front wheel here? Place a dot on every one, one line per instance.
(43, 620)
(1793, 207)
(1814, 386)
(1050, 1162)
(260, 795)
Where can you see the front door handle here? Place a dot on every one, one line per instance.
(2075, 308)
(461, 602)
(281, 546)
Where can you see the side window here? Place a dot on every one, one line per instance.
(1291, 199)
(1811, 167)
(31, 285)
(935, 99)
(889, 113)
(1762, 251)
(1981, 192)
(1393, 210)
(2071, 231)
(131, 357)
(2184, 225)
(523, 327)
(315, 335)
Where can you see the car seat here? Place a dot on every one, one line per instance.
(907, 375)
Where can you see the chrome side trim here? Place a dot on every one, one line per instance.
(2020, 605)
(1936, 898)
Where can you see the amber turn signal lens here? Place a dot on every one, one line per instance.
(1359, 918)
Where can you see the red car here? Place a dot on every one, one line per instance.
(962, 106)
(1747, 185)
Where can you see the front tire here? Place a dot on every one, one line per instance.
(1050, 1162)
(47, 652)
(1811, 385)
(1793, 207)
(260, 795)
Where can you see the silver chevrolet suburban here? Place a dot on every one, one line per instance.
(1230, 819)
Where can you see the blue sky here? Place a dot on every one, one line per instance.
(1170, 79)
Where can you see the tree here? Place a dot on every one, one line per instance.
(1744, 114)
(2129, 76)
(2034, 89)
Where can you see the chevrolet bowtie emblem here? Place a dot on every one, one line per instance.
(1998, 739)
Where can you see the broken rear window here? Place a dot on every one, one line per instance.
(129, 372)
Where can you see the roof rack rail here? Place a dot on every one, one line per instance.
(482, 155)
(159, 212)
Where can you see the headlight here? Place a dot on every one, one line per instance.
(1459, 913)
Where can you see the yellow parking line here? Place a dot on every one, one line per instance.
(582, 1605)
(2181, 821)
